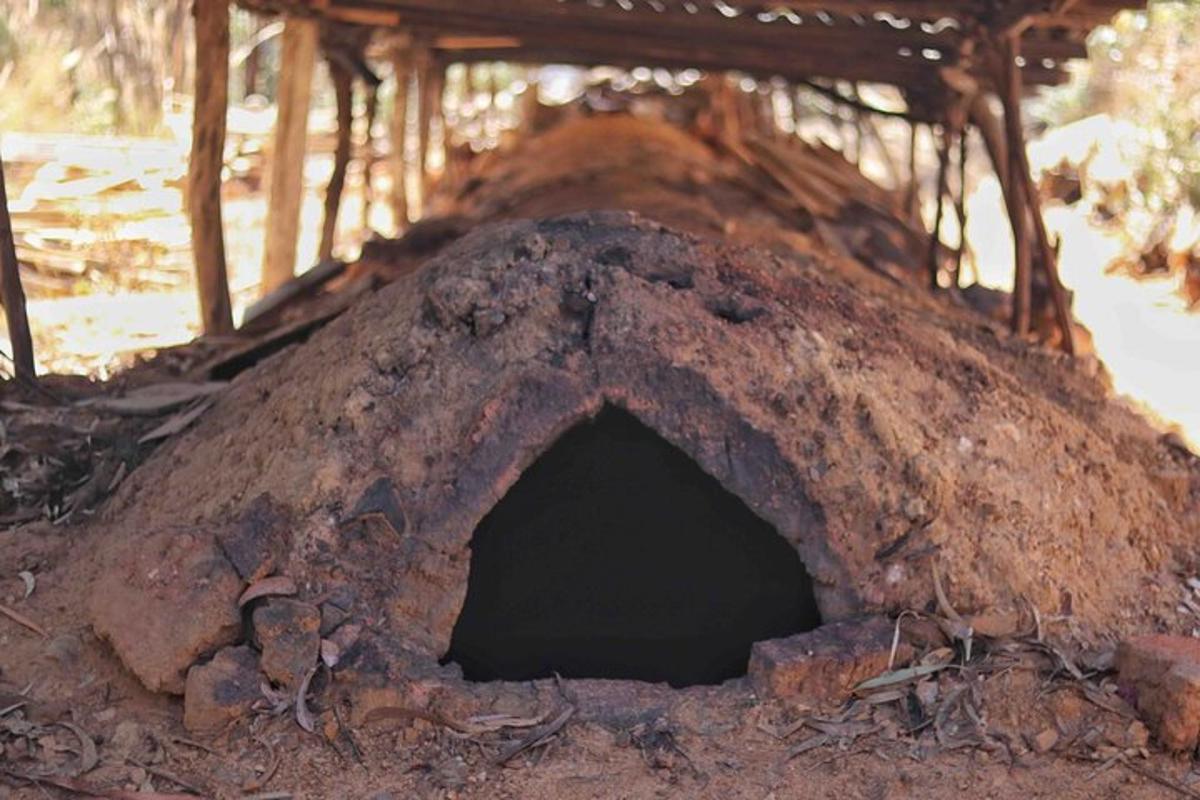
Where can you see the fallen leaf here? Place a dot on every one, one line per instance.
(30, 582)
(177, 423)
(88, 757)
(303, 715)
(154, 399)
(899, 676)
(276, 586)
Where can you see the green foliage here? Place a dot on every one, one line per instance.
(1145, 69)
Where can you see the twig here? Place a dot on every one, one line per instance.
(23, 620)
(196, 745)
(858, 105)
(167, 776)
(254, 784)
(536, 737)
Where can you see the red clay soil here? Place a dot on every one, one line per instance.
(880, 432)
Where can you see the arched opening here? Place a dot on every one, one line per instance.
(615, 556)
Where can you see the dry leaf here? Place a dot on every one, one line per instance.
(177, 423)
(88, 757)
(303, 715)
(276, 586)
(154, 399)
(30, 583)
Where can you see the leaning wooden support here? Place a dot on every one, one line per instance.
(206, 163)
(960, 207)
(287, 159)
(12, 296)
(343, 86)
(1022, 180)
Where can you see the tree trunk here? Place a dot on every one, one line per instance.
(287, 169)
(204, 166)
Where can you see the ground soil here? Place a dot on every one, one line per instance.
(699, 744)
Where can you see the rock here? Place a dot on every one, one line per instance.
(825, 663)
(923, 633)
(1137, 735)
(1162, 673)
(289, 633)
(132, 740)
(1044, 742)
(331, 618)
(995, 624)
(168, 598)
(222, 690)
(255, 543)
(64, 649)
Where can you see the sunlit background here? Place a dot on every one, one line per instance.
(94, 132)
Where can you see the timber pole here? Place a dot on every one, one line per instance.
(12, 295)
(935, 238)
(206, 162)
(287, 161)
(343, 85)
(1024, 190)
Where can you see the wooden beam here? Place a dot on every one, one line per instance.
(343, 88)
(287, 160)
(205, 165)
(12, 295)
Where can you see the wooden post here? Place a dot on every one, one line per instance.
(206, 162)
(1022, 179)
(431, 83)
(12, 296)
(343, 86)
(287, 167)
(912, 199)
(960, 205)
(402, 69)
(368, 156)
(935, 239)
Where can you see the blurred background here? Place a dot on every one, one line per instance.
(95, 118)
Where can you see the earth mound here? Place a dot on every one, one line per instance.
(879, 437)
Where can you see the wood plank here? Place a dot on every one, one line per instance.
(12, 295)
(287, 166)
(205, 165)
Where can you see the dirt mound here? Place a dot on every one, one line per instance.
(784, 195)
(878, 438)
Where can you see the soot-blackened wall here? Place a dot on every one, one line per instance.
(615, 556)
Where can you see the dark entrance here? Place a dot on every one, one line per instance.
(615, 556)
